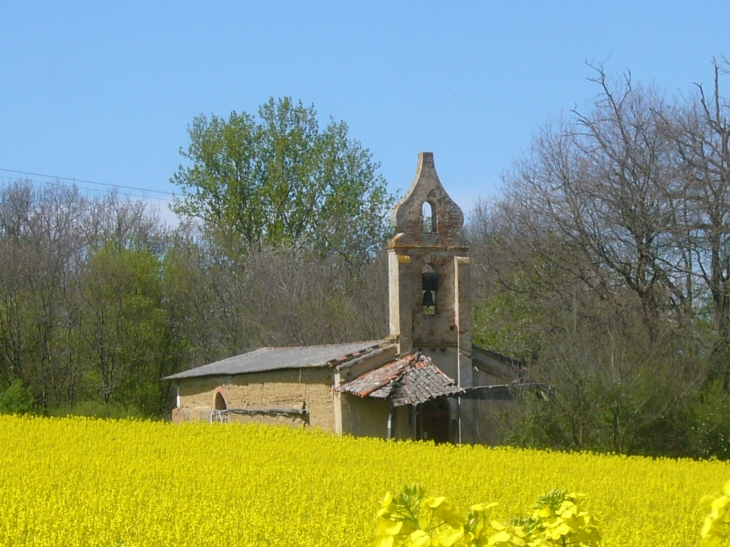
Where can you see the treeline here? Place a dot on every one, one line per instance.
(99, 299)
(280, 242)
(605, 265)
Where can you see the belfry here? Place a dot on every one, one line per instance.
(429, 291)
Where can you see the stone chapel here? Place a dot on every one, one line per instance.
(426, 380)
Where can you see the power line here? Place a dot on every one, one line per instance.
(89, 182)
(7, 179)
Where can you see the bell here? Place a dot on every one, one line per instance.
(430, 281)
(429, 304)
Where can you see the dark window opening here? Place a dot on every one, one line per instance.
(433, 421)
(430, 285)
(220, 402)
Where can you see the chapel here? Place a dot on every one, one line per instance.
(426, 380)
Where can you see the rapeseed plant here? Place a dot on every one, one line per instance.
(85, 482)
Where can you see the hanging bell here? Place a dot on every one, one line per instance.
(429, 303)
(430, 281)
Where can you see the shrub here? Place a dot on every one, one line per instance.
(710, 423)
(17, 399)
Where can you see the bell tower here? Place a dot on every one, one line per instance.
(429, 279)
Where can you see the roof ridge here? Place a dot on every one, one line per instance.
(375, 343)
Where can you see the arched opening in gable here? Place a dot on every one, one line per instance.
(429, 217)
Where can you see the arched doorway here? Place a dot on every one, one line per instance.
(434, 418)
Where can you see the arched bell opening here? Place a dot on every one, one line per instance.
(429, 288)
(219, 402)
(428, 212)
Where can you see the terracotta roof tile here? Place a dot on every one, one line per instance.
(411, 380)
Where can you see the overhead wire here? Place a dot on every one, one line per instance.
(75, 181)
(95, 191)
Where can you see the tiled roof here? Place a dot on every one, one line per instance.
(411, 380)
(265, 359)
(377, 380)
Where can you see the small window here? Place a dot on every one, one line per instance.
(429, 217)
(430, 285)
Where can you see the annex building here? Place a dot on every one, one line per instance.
(426, 380)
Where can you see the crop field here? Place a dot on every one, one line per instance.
(84, 482)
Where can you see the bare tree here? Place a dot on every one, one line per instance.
(598, 263)
(602, 183)
(701, 135)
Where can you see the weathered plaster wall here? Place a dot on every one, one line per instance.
(367, 417)
(440, 329)
(405, 423)
(292, 389)
(496, 365)
(364, 417)
(347, 419)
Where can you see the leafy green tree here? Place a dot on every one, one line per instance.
(124, 327)
(16, 399)
(280, 180)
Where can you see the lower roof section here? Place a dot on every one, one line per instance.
(410, 380)
(266, 359)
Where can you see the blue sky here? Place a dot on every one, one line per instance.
(104, 91)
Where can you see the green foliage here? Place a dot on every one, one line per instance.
(535, 423)
(280, 180)
(410, 519)
(508, 323)
(709, 422)
(126, 333)
(98, 409)
(99, 299)
(16, 399)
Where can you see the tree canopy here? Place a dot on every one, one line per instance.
(605, 265)
(281, 180)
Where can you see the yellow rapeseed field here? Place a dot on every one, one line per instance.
(83, 482)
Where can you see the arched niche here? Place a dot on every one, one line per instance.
(219, 400)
